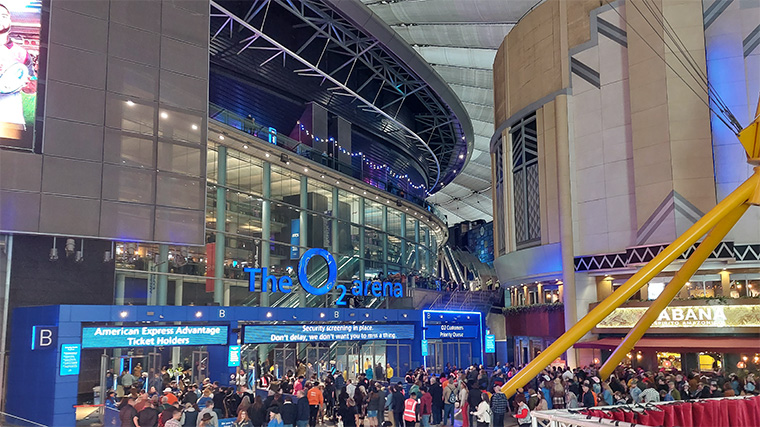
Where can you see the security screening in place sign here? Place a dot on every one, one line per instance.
(148, 336)
(254, 334)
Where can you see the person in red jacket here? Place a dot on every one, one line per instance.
(523, 412)
(426, 406)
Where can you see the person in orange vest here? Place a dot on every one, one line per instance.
(316, 400)
(410, 411)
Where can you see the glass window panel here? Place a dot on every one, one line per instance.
(211, 163)
(285, 186)
(180, 158)
(179, 126)
(244, 172)
(394, 222)
(129, 115)
(320, 196)
(128, 150)
(243, 214)
(355, 233)
(286, 222)
(410, 221)
(394, 249)
(373, 214)
(373, 245)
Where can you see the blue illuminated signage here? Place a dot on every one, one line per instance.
(490, 343)
(255, 334)
(44, 337)
(151, 336)
(233, 358)
(424, 347)
(270, 283)
(448, 330)
(70, 355)
(295, 238)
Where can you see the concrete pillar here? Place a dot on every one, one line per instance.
(266, 214)
(179, 287)
(335, 235)
(385, 241)
(226, 299)
(427, 245)
(303, 233)
(540, 289)
(403, 244)
(725, 283)
(526, 295)
(221, 223)
(120, 286)
(163, 279)
(362, 267)
(566, 216)
(417, 242)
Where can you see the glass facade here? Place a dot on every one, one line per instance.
(273, 211)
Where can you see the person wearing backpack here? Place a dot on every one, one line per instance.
(449, 402)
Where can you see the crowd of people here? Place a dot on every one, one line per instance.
(306, 398)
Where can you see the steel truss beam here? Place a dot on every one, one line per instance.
(387, 76)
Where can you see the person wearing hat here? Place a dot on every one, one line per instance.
(207, 420)
(275, 419)
(208, 416)
(171, 398)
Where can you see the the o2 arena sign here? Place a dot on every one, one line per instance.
(261, 281)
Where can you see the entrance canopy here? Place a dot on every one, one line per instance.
(683, 344)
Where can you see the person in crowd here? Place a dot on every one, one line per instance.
(557, 394)
(375, 404)
(498, 406)
(288, 412)
(397, 406)
(587, 398)
(436, 394)
(522, 412)
(482, 414)
(450, 399)
(188, 417)
(257, 412)
(128, 413)
(389, 371)
(208, 416)
(426, 407)
(649, 394)
(302, 410)
(175, 420)
(411, 410)
(275, 419)
(348, 413)
(316, 400)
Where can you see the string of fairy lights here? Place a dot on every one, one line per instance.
(372, 165)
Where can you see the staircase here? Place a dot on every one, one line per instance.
(481, 301)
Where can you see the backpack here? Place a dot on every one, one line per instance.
(596, 400)
(453, 397)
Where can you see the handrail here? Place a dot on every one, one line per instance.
(5, 414)
(244, 124)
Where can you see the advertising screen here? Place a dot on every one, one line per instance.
(490, 343)
(253, 334)
(152, 336)
(19, 67)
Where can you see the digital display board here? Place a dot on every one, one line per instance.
(70, 356)
(490, 343)
(152, 336)
(233, 358)
(19, 66)
(254, 334)
(448, 330)
(424, 344)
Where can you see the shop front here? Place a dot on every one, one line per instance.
(688, 335)
(72, 349)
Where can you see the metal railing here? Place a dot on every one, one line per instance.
(363, 172)
(7, 419)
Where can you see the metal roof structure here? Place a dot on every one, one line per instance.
(346, 59)
(459, 39)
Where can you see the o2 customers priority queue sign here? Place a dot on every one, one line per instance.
(152, 336)
(270, 283)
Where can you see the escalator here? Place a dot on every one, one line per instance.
(452, 266)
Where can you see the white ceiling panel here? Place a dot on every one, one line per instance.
(459, 38)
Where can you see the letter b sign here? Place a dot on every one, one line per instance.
(44, 337)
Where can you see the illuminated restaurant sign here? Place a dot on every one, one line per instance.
(703, 316)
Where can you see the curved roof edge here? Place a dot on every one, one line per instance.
(365, 19)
